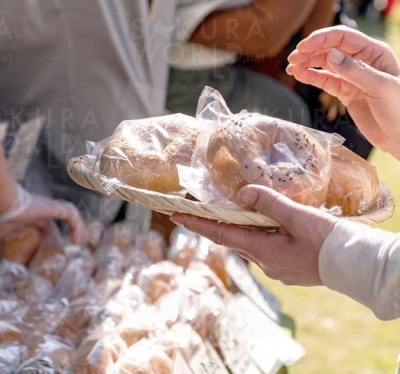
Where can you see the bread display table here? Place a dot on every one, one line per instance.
(128, 303)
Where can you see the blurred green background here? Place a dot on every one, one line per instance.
(339, 335)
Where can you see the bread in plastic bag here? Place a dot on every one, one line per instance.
(49, 259)
(354, 183)
(252, 148)
(183, 246)
(159, 279)
(97, 353)
(20, 244)
(179, 338)
(144, 357)
(144, 323)
(47, 354)
(144, 153)
(197, 300)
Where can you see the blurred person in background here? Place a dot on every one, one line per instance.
(312, 247)
(240, 48)
(383, 7)
(327, 113)
(210, 38)
(85, 67)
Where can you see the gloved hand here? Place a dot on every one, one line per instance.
(34, 210)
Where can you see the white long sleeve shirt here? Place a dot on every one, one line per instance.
(364, 264)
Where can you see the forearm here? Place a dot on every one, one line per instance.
(256, 29)
(8, 191)
(364, 264)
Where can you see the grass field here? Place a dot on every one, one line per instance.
(339, 335)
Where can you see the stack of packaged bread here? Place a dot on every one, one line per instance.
(211, 156)
(123, 303)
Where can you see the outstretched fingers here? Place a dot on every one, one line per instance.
(323, 79)
(348, 40)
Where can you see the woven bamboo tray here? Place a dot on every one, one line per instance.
(169, 204)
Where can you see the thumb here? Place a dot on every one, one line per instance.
(272, 204)
(355, 71)
(295, 219)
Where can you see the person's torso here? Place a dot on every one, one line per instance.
(86, 65)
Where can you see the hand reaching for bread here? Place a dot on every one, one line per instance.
(40, 211)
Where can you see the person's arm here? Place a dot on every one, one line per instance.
(262, 28)
(312, 247)
(362, 72)
(364, 264)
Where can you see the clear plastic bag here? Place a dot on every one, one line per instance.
(251, 148)
(144, 153)
(354, 185)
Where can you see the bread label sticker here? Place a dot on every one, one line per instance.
(239, 273)
(265, 341)
(235, 357)
(207, 361)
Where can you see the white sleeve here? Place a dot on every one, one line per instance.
(364, 264)
(190, 13)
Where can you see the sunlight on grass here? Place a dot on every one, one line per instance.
(339, 335)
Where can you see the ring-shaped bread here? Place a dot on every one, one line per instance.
(144, 153)
(249, 148)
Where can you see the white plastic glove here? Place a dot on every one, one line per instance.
(35, 210)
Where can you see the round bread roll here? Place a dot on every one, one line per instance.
(49, 259)
(180, 338)
(159, 279)
(250, 148)
(144, 357)
(144, 153)
(354, 183)
(20, 245)
(182, 247)
(98, 352)
(132, 334)
(214, 257)
(153, 245)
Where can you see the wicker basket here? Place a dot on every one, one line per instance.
(169, 204)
